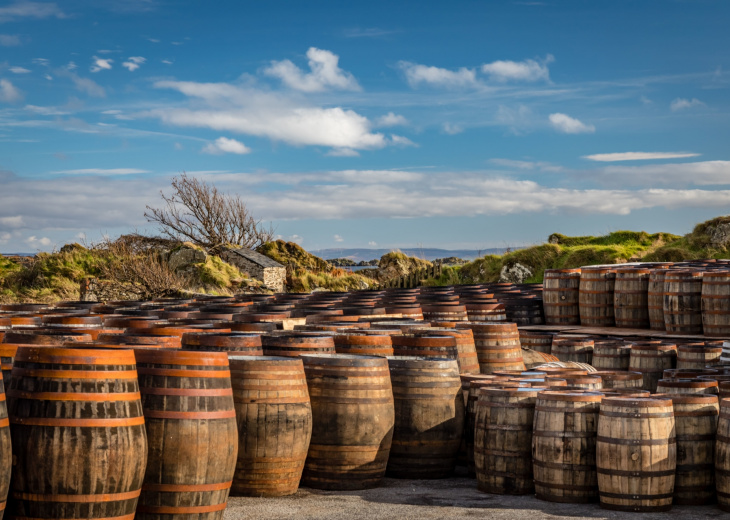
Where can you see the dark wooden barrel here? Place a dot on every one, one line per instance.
(358, 342)
(683, 302)
(619, 379)
(589, 382)
(6, 461)
(651, 360)
(631, 298)
(564, 446)
(695, 419)
(715, 300)
(425, 345)
(576, 350)
(7, 357)
(274, 424)
(78, 434)
(292, 344)
(560, 296)
(636, 454)
(611, 355)
(655, 299)
(353, 418)
(722, 456)
(497, 345)
(503, 440)
(538, 341)
(486, 312)
(239, 343)
(687, 386)
(595, 296)
(191, 431)
(429, 417)
(697, 357)
(465, 347)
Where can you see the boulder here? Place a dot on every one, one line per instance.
(515, 273)
(183, 258)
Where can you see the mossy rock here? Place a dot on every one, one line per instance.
(294, 255)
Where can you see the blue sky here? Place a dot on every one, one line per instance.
(458, 124)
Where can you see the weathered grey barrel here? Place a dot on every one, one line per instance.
(596, 296)
(631, 298)
(560, 296)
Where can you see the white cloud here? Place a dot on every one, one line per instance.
(153, 40)
(452, 129)
(26, 9)
(19, 70)
(645, 100)
(325, 73)
(48, 77)
(9, 93)
(99, 64)
(436, 76)
(682, 104)
(368, 32)
(261, 113)
(372, 243)
(45, 111)
(36, 242)
(133, 63)
(338, 238)
(638, 156)
(86, 85)
(391, 119)
(9, 40)
(399, 140)
(528, 70)
(167, 62)
(178, 146)
(343, 152)
(12, 222)
(702, 173)
(41, 61)
(527, 165)
(518, 119)
(568, 125)
(5, 237)
(103, 171)
(71, 66)
(225, 145)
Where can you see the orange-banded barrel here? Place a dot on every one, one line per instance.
(274, 424)
(429, 417)
(353, 418)
(78, 433)
(238, 343)
(503, 440)
(595, 296)
(695, 419)
(651, 359)
(539, 341)
(425, 345)
(191, 431)
(497, 345)
(697, 357)
(486, 312)
(444, 312)
(631, 298)
(655, 299)
(140, 339)
(465, 348)
(687, 386)
(5, 449)
(560, 296)
(292, 344)
(722, 456)
(564, 446)
(7, 356)
(64, 321)
(586, 382)
(612, 379)
(636, 454)
(683, 302)
(576, 350)
(690, 373)
(362, 343)
(43, 337)
(611, 355)
(715, 300)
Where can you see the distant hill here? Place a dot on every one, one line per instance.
(359, 255)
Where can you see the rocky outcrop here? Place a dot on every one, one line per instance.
(396, 264)
(184, 258)
(515, 273)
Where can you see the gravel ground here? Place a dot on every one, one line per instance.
(432, 499)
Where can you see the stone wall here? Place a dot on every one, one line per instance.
(274, 278)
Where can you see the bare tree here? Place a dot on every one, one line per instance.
(199, 213)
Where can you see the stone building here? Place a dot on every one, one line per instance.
(258, 267)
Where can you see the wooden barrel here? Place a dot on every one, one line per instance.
(292, 344)
(532, 358)
(631, 298)
(564, 446)
(78, 435)
(695, 419)
(7, 357)
(497, 346)
(238, 343)
(43, 337)
(188, 409)
(444, 313)
(486, 312)
(503, 440)
(140, 339)
(611, 355)
(722, 456)
(687, 386)
(683, 302)
(586, 382)
(425, 345)
(595, 296)
(353, 418)
(560, 296)
(358, 342)
(465, 348)
(618, 379)
(576, 350)
(715, 301)
(655, 299)
(697, 357)
(636, 454)
(64, 321)
(429, 417)
(651, 360)
(539, 341)
(5, 449)
(274, 424)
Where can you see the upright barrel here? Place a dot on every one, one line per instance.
(78, 434)
(353, 418)
(595, 296)
(715, 300)
(429, 417)
(631, 298)
(239, 343)
(274, 424)
(576, 350)
(564, 446)
(191, 429)
(655, 299)
(560, 296)
(611, 355)
(497, 345)
(683, 302)
(6, 454)
(636, 454)
(651, 359)
(722, 456)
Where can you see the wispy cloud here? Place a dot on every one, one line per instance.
(683, 104)
(133, 63)
(367, 32)
(85, 85)
(638, 156)
(568, 125)
(9, 93)
(103, 171)
(99, 64)
(19, 70)
(528, 70)
(9, 40)
(224, 145)
(435, 76)
(452, 129)
(527, 165)
(391, 119)
(338, 238)
(701, 173)
(25, 9)
(325, 73)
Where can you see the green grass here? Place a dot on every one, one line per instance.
(217, 273)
